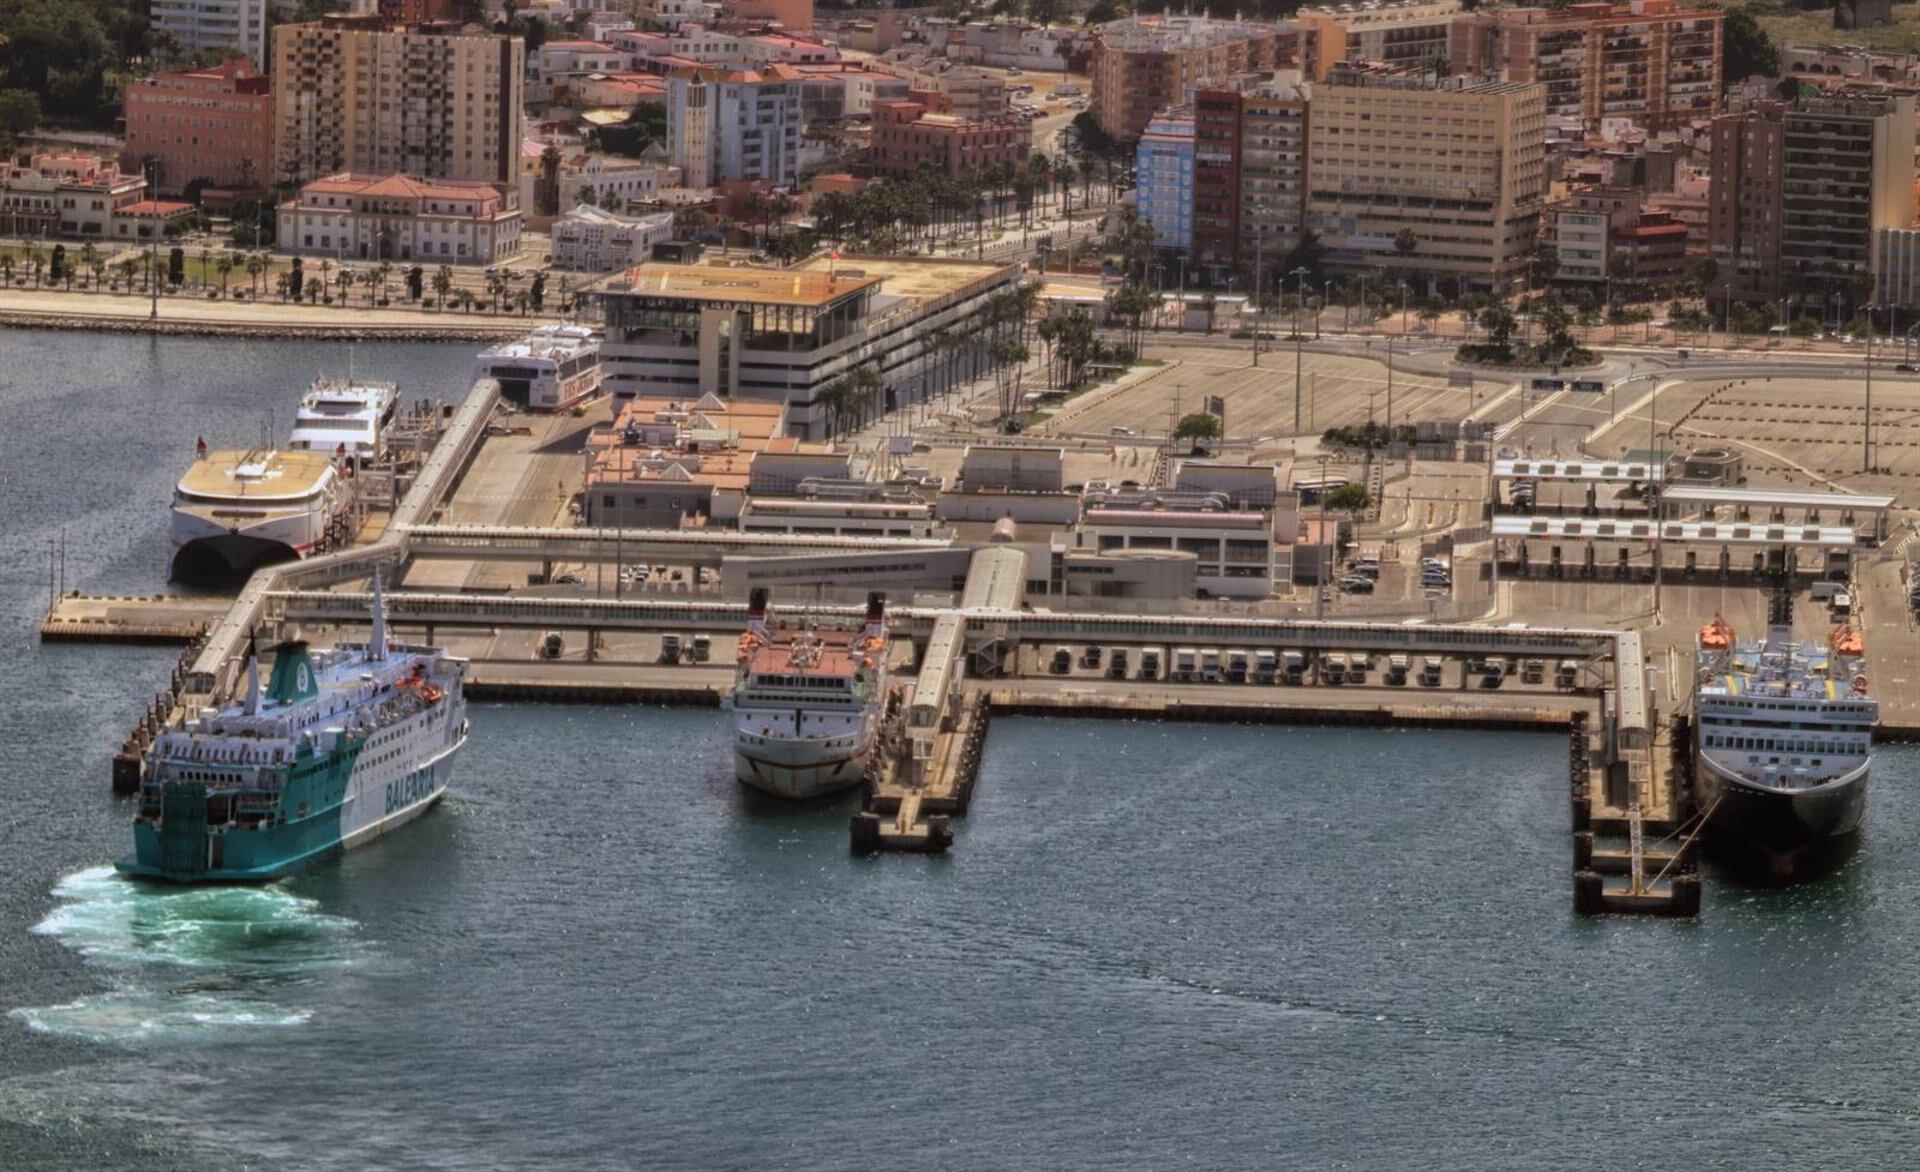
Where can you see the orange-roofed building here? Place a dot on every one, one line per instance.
(907, 137)
(402, 218)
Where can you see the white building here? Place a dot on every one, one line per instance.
(400, 218)
(594, 240)
(613, 182)
(1241, 552)
(238, 25)
(734, 125)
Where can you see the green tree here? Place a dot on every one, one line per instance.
(1200, 425)
(176, 265)
(1747, 50)
(1350, 498)
(19, 116)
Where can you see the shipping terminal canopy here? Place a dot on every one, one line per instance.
(1774, 498)
(1601, 471)
(1708, 532)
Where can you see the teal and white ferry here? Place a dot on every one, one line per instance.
(341, 747)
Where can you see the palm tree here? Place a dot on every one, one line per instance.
(206, 258)
(6, 267)
(89, 258)
(442, 282)
(256, 265)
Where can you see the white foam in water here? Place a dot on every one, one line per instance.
(185, 962)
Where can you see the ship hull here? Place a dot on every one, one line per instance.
(800, 769)
(1785, 834)
(372, 802)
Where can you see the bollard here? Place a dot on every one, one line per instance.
(1686, 895)
(865, 834)
(1586, 893)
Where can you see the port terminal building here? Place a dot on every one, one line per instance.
(780, 336)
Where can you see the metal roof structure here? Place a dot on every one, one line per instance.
(1709, 532)
(1601, 471)
(1860, 502)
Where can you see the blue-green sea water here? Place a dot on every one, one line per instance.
(1153, 945)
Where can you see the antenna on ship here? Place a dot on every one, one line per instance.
(253, 674)
(377, 640)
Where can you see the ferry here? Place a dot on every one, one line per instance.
(239, 509)
(345, 417)
(551, 369)
(806, 701)
(337, 749)
(1783, 742)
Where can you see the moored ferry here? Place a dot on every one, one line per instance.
(806, 701)
(550, 369)
(1783, 742)
(239, 509)
(336, 749)
(344, 417)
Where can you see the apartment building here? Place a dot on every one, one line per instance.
(1274, 132)
(1408, 35)
(214, 125)
(60, 194)
(1743, 203)
(370, 95)
(594, 240)
(237, 26)
(908, 137)
(1163, 173)
(742, 124)
(1846, 174)
(781, 335)
(1454, 166)
(401, 218)
(1655, 62)
(1217, 166)
(1144, 64)
(795, 16)
(970, 91)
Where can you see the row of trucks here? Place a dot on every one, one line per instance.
(1211, 666)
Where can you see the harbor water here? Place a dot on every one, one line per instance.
(1154, 945)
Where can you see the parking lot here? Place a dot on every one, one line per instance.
(1283, 667)
(1337, 391)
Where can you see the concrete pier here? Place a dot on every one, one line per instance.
(161, 618)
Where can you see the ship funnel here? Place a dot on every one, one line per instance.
(757, 611)
(293, 679)
(253, 675)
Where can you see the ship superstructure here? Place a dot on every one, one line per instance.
(344, 417)
(336, 749)
(806, 701)
(550, 369)
(1783, 740)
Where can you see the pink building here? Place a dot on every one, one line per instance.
(214, 125)
(907, 138)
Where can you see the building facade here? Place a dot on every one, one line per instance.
(1654, 62)
(1454, 167)
(734, 125)
(1163, 170)
(214, 125)
(1743, 203)
(368, 95)
(239, 26)
(1846, 175)
(1145, 64)
(907, 137)
(1218, 130)
(401, 218)
(1408, 35)
(782, 335)
(1275, 119)
(595, 240)
(56, 194)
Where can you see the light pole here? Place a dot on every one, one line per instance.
(1866, 422)
(153, 249)
(1326, 299)
(1300, 296)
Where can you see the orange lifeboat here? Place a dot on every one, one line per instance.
(1716, 635)
(1847, 641)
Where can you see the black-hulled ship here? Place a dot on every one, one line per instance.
(1783, 743)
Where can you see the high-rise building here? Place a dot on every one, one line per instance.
(1846, 173)
(734, 124)
(1144, 64)
(1743, 203)
(214, 125)
(1655, 62)
(239, 26)
(1438, 179)
(367, 94)
(1163, 172)
(1217, 168)
(1274, 123)
(1407, 34)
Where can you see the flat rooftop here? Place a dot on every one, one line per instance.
(735, 283)
(916, 280)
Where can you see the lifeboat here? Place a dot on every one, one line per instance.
(1716, 635)
(1847, 641)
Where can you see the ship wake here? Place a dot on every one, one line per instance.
(186, 963)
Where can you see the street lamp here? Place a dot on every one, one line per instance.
(1326, 299)
(1403, 309)
(1300, 296)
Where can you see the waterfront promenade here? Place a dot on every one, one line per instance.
(180, 314)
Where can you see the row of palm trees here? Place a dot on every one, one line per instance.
(922, 210)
